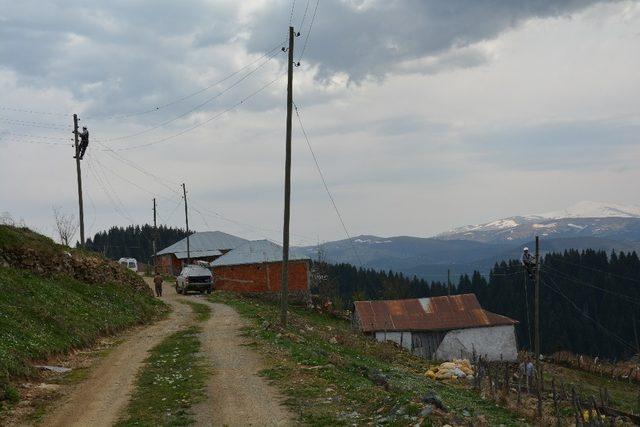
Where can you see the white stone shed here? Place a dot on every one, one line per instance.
(441, 328)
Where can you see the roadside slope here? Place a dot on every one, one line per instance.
(55, 299)
(100, 399)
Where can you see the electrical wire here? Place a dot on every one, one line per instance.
(526, 302)
(28, 123)
(293, 6)
(197, 107)
(326, 187)
(190, 95)
(44, 113)
(306, 39)
(304, 15)
(632, 279)
(29, 135)
(162, 181)
(605, 290)
(22, 141)
(199, 124)
(106, 187)
(557, 290)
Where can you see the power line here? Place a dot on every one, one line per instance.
(605, 290)
(46, 113)
(197, 107)
(197, 125)
(304, 15)
(306, 39)
(22, 141)
(102, 186)
(152, 193)
(293, 6)
(29, 123)
(192, 94)
(132, 164)
(597, 270)
(557, 290)
(193, 204)
(29, 135)
(99, 170)
(326, 187)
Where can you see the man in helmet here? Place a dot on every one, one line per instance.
(528, 262)
(84, 141)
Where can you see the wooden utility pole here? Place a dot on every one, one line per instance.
(537, 301)
(635, 334)
(284, 291)
(186, 218)
(79, 174)
(155, 235)
(449, 281)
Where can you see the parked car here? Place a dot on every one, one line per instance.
(129, 263)
(194, 278)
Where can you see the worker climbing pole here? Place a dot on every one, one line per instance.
(80, 149)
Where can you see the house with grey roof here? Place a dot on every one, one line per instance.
(256, 267)
(204, 246)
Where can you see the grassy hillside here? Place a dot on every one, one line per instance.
(45, 310)
(333, 376)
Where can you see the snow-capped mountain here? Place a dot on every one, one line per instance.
(584, 219)
(477, 247)
(592, 210)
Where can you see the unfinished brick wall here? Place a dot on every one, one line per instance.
(168, 264)
(261, 278)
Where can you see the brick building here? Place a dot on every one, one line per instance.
(205, 246)
(256, 267)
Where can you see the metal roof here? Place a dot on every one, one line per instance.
(204, 244)
(427, 314)
(255, 252)
(197, 254)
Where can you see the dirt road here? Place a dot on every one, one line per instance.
(99, 399)
(237, 396)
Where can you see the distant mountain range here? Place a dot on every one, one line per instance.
(585, 219)
(478, 247)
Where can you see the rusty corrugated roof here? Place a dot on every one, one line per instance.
(427, 314)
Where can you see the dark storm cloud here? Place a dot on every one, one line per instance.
(114, 55)
(372, 38)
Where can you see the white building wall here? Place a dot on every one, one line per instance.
(488, 342)
(403, 339)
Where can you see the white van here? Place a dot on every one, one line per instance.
(129, 263)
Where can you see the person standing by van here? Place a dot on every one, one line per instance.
(157, 280)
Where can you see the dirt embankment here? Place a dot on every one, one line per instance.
(24, 249)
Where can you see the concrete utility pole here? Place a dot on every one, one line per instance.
(284, 291)
(537, 301)
(186, 218)
(155, 235)
(79, 174)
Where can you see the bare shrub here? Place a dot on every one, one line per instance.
(66, 225)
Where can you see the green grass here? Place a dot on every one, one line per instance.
(624, 395)
(202, 311)
(323, 368)
(43, 317)
(172, 380)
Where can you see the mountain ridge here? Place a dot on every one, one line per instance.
(479, 247)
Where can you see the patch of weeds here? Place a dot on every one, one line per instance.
(171, 381)
(202, 311)
(332, 375)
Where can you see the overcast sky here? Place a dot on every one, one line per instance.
(423, 115)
